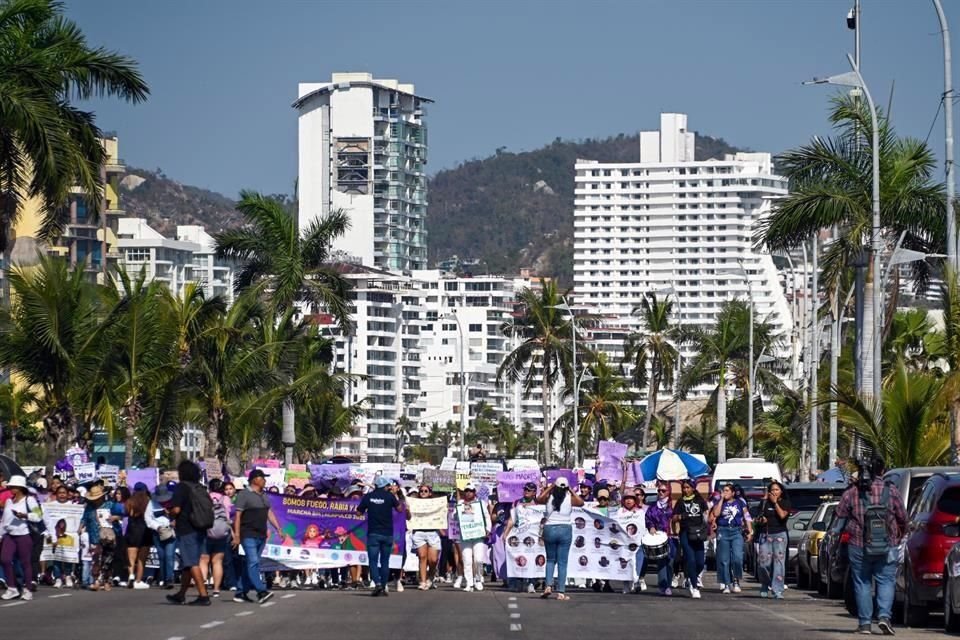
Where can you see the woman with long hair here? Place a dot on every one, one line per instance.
(102, 538)
(659, 521)
(729, 516)
(215, 548)
(138, 537)
(164, 538)
(19, 510)
(771, 525)
(558, 532)
(690, 516)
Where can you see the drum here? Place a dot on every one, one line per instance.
(656, 546)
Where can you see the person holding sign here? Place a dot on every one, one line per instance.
(558, 532)
(474, 520)
(426, 542)
(516, 519)
(632, 518)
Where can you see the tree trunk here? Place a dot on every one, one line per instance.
(866, 382)
(651, 406)
(211, 448)
(722, 417)
(955, 433)
(547, 445)
(289, 435)
(128, 436)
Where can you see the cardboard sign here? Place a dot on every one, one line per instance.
(85, 472)
(427, 514)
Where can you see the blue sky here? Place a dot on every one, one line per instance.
(503, 73)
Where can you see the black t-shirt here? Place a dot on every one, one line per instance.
(181, 498)
(379, 506)
(253, 508)
(691, 512)
(772, 522)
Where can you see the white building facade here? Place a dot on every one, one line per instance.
(670, 223)
(363, 149)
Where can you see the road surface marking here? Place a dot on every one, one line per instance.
(14, 604)
(62, 595)
(177, 638)
(513, 605)
(513, 598)
(514, 615)
(243, 613)
(515, 627)
(777, 614)
(211, 625)
(267, 604)
(289, 595)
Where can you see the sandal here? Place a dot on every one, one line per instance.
(562, 596)
(546, 593)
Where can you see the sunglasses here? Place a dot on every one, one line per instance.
(603, 499)
(424, 490)
(663, 490)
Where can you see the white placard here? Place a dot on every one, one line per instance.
(86, 472)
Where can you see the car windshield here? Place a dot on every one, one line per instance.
(806, 499)
(749, 485)
(950, 501)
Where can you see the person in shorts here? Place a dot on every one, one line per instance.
(427, 544)
(189, 540)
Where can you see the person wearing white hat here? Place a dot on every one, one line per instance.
(474, 520)
(558, 532)
(20, 510)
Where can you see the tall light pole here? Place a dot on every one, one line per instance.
(463, 389)
(948, 126)
(814, 353)
(855, 79)
(576, 385)
(752, 381)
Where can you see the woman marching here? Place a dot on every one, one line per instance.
(658, 517)
(558, 532)
(20, 510)
(729, 515)
(771, 524)
(690, 515)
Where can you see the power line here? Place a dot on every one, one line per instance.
(936, 116)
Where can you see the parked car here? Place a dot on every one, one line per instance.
(909, 480)
(951, 590)
(932, 531)
(809, 546)
(832, 558)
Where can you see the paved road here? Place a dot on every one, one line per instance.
(414, 615)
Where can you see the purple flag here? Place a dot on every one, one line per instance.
(610, 461)
(326, 476)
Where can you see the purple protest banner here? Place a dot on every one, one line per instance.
(569, 474)
(634, 474)
(147, 476)
(510, 483)
(327, 476)
(324, 533)
(610, 457)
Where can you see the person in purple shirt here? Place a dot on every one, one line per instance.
(658, 518)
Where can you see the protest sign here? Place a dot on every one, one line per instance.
(473, 520)
(569, 474)
(326, 476)
(391, 470)
(265, 463)
(453, 526)
(463, 466)
(601, 548)
(610, 461)
(323, 534)
(298, 477)
(634, 474)
(485, 472)
(63, 526)
(427, 513)
(85, 472)
(462, 479)
(510, 483)
(147, 476)
(440, 480)
(109, 473)
(448, 464)
(523, 464)
(274, 477)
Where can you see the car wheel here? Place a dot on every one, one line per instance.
(951, 621)
(915, 614)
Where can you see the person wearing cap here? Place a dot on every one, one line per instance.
(558, 532)
(164, 537)
(471, 510)
(516, 518)
(378, 506)
(189, 538)
(586, 491)
(20, 509)
(632, 515)
(426, 542)
(252, 514)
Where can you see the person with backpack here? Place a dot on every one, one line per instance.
(218, 538)
(252, 514)
(875, 518)
(192, 508)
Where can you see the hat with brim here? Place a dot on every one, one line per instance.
(95, 493)
(162, 494)
(17, 481)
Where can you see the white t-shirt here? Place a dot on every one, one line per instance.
(14, 526)
(561, 515)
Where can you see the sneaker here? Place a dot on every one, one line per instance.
(57, 583)
(10, 594)
(764, 594)
(667, 592)
(531, 588)
(399, 586)
(675, 582)
(864, 629)
(120, 583)
(424, 586)
(458, 582)
(778, 596)
(199, 601)
(433, 583)
(175, 598)
(141, 585)
(263, 596)
(627, 588)
(241, 598)
(885, 627)
(376, 593)
(643, 585)
(478, 585)
(725, 589)
(385, 593)
(130, 580)
(27, 595)
(215, 594)
(468, 589)
(695, 593)
(736, 586)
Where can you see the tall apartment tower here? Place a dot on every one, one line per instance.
(363, 149)
(672, 223)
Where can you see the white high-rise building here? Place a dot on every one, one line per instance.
(670, 222)
(363, 149)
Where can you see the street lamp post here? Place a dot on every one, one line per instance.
(855, 79)
(576, 385)
(463, 389)
(948, 130)
(752, 381)
(672, 290)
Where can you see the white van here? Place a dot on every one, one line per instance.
(752, 474)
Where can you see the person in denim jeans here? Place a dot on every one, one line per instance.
(252, 514)
(690, 513)
(771, 523)
(558, 532)
(163, 536)
(378, 506)
(659, 520)
(729, 517)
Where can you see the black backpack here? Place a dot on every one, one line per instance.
(876, 538)
(201, 507)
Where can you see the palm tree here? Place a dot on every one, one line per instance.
(47, 144)
(49, 337)
(17, 410)
(402, 433)
(651, 347)
(831, 186)
(544, 352)
(781, 432)
(950, 392)
(604, 403)
(287, 265)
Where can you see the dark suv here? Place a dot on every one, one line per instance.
(932, 530)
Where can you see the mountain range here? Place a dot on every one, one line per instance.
(498, 214)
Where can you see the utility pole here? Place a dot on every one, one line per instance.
(814, 356)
